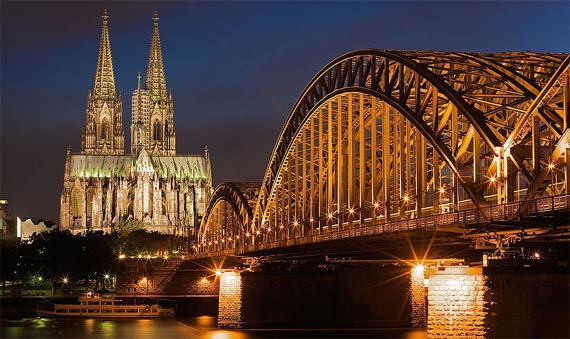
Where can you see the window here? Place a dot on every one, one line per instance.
(156, 131)
(104, 129)
(77, 203)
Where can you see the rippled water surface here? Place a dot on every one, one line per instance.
(198, 327)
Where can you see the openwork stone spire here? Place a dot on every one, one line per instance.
(104, 75)
(103, 130)
(155, 80)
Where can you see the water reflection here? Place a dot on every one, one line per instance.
(224, 334)
(183, 328)
(416, 334)
(108, 328)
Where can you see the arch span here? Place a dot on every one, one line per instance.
(382, 135)
(229, 212)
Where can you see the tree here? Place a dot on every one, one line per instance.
(128, 226)
(9, 261)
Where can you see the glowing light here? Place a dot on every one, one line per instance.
(182, 257)
(257, 232)
(122, 256)
(216, 242)
(281, 226)
(351, 211)
(406, 198)
(330, 216)
(106, 276)
(230, 238)
(441, 190)
(537, 255)
(376, 205)
(204, 280)
(269, 229)
(311, 220)
(148, 256)
(551, 166)
(218, 272)
(140, 256)
(492, 179)
(237, 236)
(295, 224)
(247, 234)
(40, 278)
(165, 257)
(65, 280)
(419, 269)
(18, 227)
(210, 243)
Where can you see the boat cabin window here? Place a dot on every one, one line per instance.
(92, 303)
(132, 311)
(61, 311)
(73, 311)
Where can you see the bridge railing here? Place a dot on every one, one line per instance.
(467, 219)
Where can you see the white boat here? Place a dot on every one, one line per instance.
(95, 306)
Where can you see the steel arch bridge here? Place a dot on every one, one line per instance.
(382, 137)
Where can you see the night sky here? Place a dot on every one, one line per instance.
(235, 70)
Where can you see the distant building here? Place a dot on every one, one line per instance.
(103, 185)
(12, 226)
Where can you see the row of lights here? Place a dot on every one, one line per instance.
(330, 216)
(147, 257)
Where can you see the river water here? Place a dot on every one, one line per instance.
(186, 327)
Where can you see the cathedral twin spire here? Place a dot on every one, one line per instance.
(152, 113)
(155, 80)
(104, 75)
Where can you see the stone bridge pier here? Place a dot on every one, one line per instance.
(350, 296)
(449, 301)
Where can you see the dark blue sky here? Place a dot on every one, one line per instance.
(235, 69)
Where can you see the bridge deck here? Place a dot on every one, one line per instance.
(467, 224)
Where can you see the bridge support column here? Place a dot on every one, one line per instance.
(456, 304)
(230, 300)
(418, 317)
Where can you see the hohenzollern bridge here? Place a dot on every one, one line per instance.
(386, 142)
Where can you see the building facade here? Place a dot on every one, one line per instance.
(104, 186)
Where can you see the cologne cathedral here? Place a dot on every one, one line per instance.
(103, 185)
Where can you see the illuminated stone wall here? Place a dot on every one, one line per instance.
(164, 277)
(230, 300)
(456, 303)
(418, 316)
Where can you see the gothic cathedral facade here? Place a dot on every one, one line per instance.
(103, 185)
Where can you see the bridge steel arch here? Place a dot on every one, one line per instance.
(378, 136)
(228, 214)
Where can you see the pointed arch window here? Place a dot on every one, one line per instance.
(156, 131)
(104, 129)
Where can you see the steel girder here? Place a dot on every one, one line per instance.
(490, 91)
(460, 107)
(230, 200)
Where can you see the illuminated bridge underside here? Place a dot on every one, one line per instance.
(385, 137)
